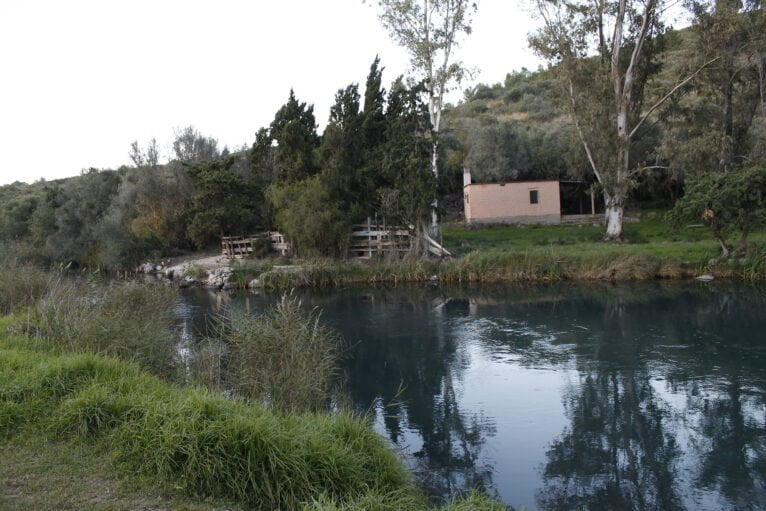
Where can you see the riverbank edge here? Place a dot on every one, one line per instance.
(199, 441)
(610, 264)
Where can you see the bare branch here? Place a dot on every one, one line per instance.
(581, 135)
(668, 95)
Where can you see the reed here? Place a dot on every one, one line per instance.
(285, 358)
(128, 319)
(20, 286)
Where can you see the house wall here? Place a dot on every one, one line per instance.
(510, 203)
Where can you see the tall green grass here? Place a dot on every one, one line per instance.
(20, 286)
(127, 319)
(201, 442)
(208, 444)
(284, 358)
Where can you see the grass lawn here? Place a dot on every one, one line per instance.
(41, 475)
(651, 235)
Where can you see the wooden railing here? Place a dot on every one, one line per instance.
(376, 238)
(370, 239)
(243, 246)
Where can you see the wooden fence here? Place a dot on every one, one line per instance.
(376, 238)
(243, 246)
(368, 240)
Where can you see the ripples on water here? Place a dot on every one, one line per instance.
(645, 396)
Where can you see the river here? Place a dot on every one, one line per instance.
(569, 396)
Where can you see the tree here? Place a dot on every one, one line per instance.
(726, 202)
(341, 156)
(150, 157)
(294, 131)
(603, 80)
(406, 192)
(81, 205)
(430, 31)
(310, 217)
(225, 202)
(191, 146)
(712, 129)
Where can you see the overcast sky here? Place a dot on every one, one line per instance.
(80, 80)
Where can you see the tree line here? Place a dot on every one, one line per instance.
(369, 161)
(626, 105)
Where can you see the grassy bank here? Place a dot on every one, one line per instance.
(54, 475)
(75, 382)
(196, 440)
(652, 250)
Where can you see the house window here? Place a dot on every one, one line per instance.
(533, 196)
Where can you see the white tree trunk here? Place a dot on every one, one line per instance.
(434, 109)
(615, 210)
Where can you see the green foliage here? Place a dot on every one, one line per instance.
(190, 146)
(80, 206)
(725, 202)
(715, 128)
(126, 319)
(202, 442)
(294, 131)
(225, 203)
(285, 358)
(16, 215)
(409, 189)
(20, 286)
(307, 214)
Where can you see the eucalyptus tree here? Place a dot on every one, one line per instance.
(603, 53)
(430, 31)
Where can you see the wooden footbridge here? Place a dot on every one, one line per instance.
(368, 240)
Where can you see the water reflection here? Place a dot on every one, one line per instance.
(646, 396)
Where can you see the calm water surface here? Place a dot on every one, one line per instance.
(648, 396)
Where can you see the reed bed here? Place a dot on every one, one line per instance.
(20, 286)
(127, 319)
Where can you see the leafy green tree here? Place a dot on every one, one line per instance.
(81, 204)
(409, 190)
(726, 202)
(714, 127)
(294, 131)
(310, 217)
(497, 153)
(225, 203)
(341, 153)
(15, 216)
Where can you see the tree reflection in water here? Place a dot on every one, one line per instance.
(411, 364)
(664, 408)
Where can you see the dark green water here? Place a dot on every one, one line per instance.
(647, 396)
